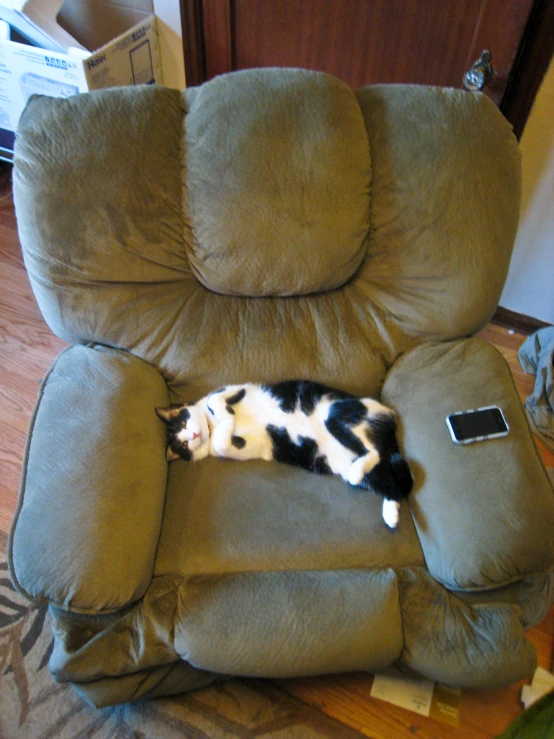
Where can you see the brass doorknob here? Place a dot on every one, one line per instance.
(480, 73)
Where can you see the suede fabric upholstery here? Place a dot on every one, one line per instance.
(444, 207)
(486, 480)
(302, 230)
(92, 484)
(210, 246)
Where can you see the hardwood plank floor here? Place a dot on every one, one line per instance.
(27, 348)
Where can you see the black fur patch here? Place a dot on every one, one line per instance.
(286, 393)
(184, 453)
(229, 410)
(238, 442)
(236, 398)
(321, 466)
(342, 416)
(391, 477)
(382, 430)
(303, 394)
(304, 454)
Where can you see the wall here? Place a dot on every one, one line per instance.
(529, 288)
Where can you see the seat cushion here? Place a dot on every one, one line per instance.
(223, 516)
(283, 572)
(484, 512)
(277, 182)
(289, 624)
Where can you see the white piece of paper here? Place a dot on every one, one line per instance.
(542, 683)
(543, 679)
(412, 693)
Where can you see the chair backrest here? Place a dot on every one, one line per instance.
(269, 224)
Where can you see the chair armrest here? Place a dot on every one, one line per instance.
(93, 486)
(484, 512)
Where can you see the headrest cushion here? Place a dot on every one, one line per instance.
(277, 178)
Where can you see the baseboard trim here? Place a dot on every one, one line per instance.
(517, 321)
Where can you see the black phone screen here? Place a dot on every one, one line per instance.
(478, 423)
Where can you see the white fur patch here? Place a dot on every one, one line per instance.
(391, 513)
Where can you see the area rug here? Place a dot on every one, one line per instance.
(33, 706)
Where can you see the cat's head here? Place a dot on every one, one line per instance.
(187, 430)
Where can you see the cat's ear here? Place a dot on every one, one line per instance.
(170, 455)
(164, 414)
(168, 414)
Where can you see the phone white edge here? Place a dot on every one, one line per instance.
(473, 439)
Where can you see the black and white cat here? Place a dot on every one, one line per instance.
(299, 422)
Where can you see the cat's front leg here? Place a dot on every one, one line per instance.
(242, 443)
(221, 438)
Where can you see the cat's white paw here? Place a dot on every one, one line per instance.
(221, 438)
(356, 472)
(361, 466)
(391, 513)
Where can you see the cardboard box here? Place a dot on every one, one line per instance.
(131, 58)
(38, 23)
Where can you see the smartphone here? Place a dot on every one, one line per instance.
(477, 424)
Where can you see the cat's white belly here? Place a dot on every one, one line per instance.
(299, 426)
(338, 457)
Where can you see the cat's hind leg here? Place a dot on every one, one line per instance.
(359, 469)
(391, 512)
(361, 466)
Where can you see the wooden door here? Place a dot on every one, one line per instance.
(364, 42)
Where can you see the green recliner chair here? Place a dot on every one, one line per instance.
(269, 225)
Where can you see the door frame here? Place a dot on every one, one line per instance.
(533, 59)
(208, 50)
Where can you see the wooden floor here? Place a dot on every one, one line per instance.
(27, 348)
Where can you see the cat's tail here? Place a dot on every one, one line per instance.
(391, 477)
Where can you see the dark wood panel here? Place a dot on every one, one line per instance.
(193, 42)
(217, 32)
(517, 321)
(500, 28)
(360, 42)
(377, 41)
(395, 35)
